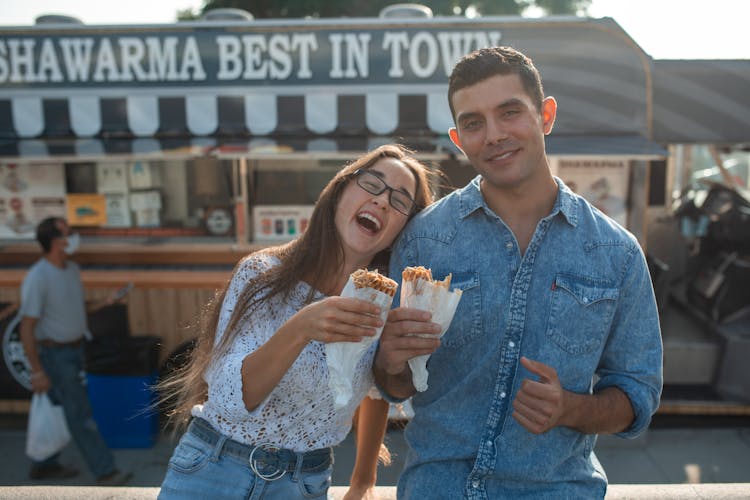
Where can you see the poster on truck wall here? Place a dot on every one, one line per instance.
(87, 209)
(28, 194)
(603, 182)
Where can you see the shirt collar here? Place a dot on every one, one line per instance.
(566, 203)
(471, 199)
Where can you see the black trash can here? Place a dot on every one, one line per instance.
(121, 373)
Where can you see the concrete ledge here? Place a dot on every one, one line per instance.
(715, 491)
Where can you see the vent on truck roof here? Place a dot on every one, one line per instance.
(401, 10)
(56, 19)
(227, 14)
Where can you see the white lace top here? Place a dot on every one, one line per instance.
(299, 413)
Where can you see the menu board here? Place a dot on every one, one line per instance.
(280, 222)
(28, 194)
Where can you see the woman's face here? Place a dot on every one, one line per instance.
(367, 223)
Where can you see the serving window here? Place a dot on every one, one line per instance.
(121, 198)
(142, 201)
(283, 194)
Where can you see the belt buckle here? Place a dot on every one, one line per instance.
(277, 474)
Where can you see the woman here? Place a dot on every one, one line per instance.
(256, 386)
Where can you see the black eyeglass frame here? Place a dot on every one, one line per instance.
(357, 174)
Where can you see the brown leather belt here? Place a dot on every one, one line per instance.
(52, 343)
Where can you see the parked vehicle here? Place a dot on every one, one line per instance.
(716, 221)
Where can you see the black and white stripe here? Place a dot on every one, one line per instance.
(204, 115)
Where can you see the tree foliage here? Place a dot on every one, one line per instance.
(552, 7)
(371, 8)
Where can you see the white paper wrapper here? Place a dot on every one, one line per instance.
(427, 296)
(343, 357)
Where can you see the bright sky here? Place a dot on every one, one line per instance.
(665, 29)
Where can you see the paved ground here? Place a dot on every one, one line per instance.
(702, 453)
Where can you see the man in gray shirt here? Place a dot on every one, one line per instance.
(53, 328)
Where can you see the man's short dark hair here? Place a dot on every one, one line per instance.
(485, 63)
(47, 231)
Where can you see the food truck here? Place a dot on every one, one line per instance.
(176, 149)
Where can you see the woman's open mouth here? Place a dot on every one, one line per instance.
(368, 222)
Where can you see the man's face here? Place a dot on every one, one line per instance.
(61, 242)
(501, 131)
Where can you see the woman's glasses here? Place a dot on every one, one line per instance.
(402, 202)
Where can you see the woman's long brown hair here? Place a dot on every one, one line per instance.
(316, 253)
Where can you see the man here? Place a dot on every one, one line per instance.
(556, 338)
(53, 326)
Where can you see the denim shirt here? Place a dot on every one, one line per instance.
(580, 300)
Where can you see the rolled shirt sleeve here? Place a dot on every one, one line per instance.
(632, 357)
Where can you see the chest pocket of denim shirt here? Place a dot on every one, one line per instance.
(467, 321)
(580, 313)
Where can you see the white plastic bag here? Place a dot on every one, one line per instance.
(47, 433)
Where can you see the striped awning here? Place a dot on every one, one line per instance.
(702, 101)
(393, 85)
(124, 102)
(207, 114)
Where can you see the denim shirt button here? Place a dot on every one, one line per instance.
(489, 444)
(502, 395)
(509, 245)
(511, 344)
(475, 484)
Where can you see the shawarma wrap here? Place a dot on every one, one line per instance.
(342, 357)
(420, 291)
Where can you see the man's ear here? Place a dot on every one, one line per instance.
(453, 134)
(549, 113)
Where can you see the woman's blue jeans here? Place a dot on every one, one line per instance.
(199, 470)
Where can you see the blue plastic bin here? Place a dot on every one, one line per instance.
(123, 408)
